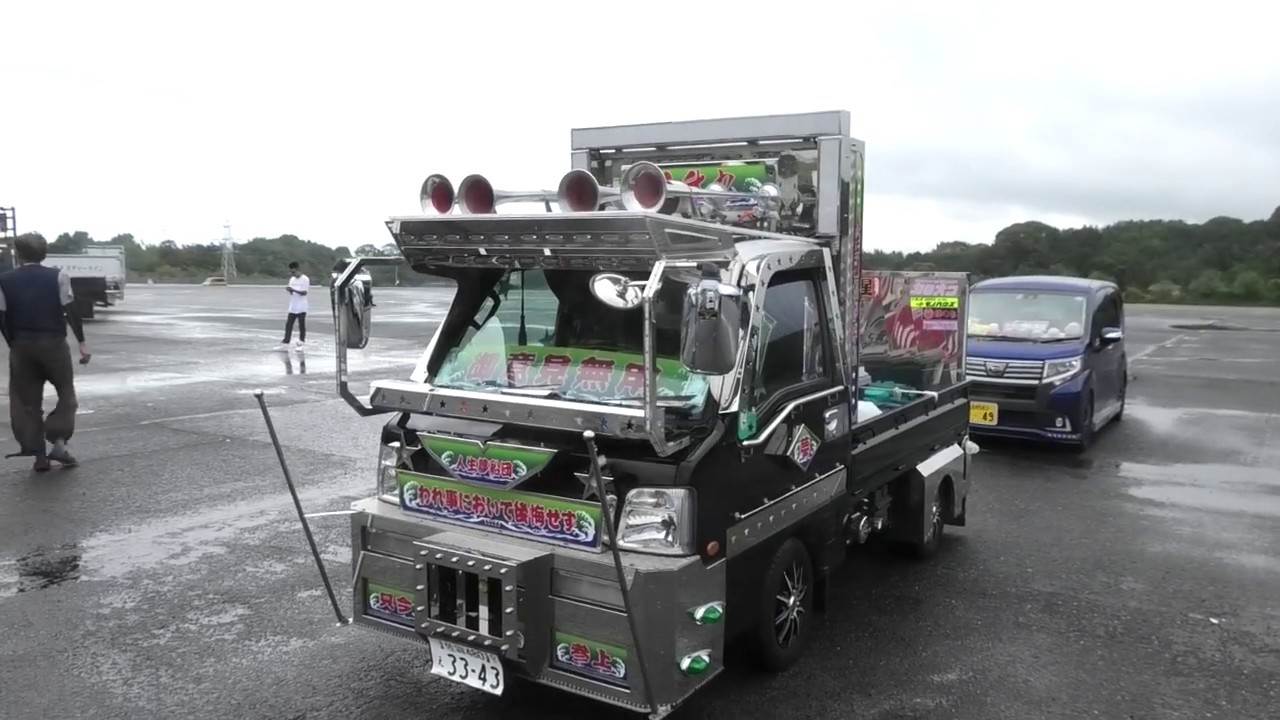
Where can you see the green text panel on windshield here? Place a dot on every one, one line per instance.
(542, 333)
(1033, 317)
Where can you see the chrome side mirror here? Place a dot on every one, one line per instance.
(617, 291)
(1112, 335)
(357, 311)
(711, 329)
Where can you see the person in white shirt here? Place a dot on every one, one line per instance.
(298, 287)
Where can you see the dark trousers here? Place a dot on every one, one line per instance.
(301, 319)
(32, 363)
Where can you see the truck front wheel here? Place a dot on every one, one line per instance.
(786, 606)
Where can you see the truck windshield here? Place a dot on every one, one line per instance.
(542, 333)
(1035, 317)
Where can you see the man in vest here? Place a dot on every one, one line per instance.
(36, 305)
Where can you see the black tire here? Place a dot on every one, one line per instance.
(85, 308)
(1124, 391)
(785, 609)
(926, 548)
(1086, 427)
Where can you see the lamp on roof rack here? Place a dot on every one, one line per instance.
(436, 195)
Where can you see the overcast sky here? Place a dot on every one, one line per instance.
(167, 119)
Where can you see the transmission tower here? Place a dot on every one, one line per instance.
(228, 253)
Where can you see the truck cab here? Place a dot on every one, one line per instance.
(643, 429)
(1046, 358)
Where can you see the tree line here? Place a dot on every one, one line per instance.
(257, 261)
(1222, 260)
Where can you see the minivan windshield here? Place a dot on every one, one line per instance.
(1027, 316)
(543, 333)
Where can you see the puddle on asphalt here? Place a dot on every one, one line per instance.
(1169, 419)
(1208, 487)
(41, 569)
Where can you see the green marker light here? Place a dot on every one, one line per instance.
(709, 614)
(696, 663)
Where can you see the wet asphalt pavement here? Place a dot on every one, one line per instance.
(167, 575)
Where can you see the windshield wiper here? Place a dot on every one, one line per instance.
(661, 398)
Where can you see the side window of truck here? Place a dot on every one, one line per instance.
(792, 346)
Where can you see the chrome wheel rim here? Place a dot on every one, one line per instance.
(935, 518)
(790, 605)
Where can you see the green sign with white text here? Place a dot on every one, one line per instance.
(495, 463)
(531, 515)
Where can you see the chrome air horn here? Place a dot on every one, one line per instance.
(646, 187)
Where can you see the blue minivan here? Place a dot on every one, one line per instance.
(1045, 357)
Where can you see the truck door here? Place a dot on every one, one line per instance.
(792, 384)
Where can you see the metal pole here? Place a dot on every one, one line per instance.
(297, 504)
(590, 438)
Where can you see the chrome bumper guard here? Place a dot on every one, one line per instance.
(481, 600)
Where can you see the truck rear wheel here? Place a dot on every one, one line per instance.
(929, 546)
(786, 606)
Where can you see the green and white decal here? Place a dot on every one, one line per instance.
(530, 515)
(494, 464)
(574, 373)
(591, 658)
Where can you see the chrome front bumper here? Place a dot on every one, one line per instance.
(553, 614)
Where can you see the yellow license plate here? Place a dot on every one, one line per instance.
(983, 413)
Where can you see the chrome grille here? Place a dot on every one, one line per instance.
(1023, 371)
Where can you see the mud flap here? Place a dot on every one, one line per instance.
(913, 492)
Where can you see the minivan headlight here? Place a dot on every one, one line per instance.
(1062, 369)
(657, 520)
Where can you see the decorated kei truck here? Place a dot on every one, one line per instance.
(642, 430)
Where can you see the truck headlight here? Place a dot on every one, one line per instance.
(1062, 369)
(657, 520)
(388, 463)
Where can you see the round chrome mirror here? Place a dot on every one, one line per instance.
(616, 291)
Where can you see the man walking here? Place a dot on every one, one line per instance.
(299, 286)
(36, 305)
